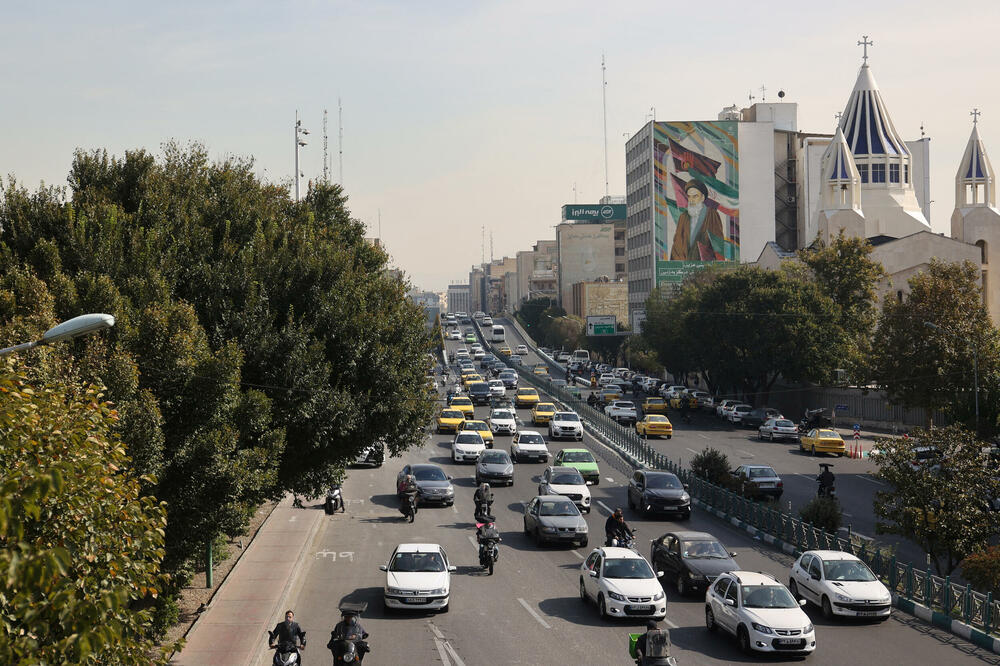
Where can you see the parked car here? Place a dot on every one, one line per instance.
(758, 481)
(692, 559)
(760, 612)
(839, 584)
(555, 518)
(373, 455)
(738, 412)
(567, 482)
(720, 409)
(417, 577)
(756, 417)
(778, 428)
(529, 445)
(622, 584)
(658, 492)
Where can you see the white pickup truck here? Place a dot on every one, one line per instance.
(622, 411)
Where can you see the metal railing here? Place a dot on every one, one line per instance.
(902, 578)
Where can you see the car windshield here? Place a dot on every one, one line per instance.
(469, 438)
(698, 550)
(847, 570)
(461, 401)
(496, 382)
(627, 568)
(557, 508)
(761, 472)
(654, 401)
(530, 439)
(429, 474)
(767, 596)
(451, 414)
(663, 481)
(495, 457)
(545, 407)
(783, 423)
(567, 479)
(656, 419)
(526, 392)
(624, 404)
(426, 562)
(578, 456)
(502, 415)
(566, 416)
(828, 433)
(475, 425)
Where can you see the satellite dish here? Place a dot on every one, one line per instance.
(781, 94)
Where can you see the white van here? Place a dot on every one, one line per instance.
(498, 333)
(581, 355)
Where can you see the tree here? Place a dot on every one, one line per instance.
(938, 504)
(847, 274)
(932, 368)
(80, 545)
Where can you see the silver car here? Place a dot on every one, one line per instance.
(554, 518)
(775, 428)
(494, 466)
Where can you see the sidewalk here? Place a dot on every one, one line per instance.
(232, 629)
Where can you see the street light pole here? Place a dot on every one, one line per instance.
(975, 361)
(298, 143)
(72, 328)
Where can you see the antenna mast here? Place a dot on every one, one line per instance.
(604, 98)
(491, 246)
(482, 247)
(326, 159)
(340, 139)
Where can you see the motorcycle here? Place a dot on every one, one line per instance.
(626, 541)
(334, 501)
(408, 506)
(484, 511)
(658, 651)
(489, 548)
(285, 653)
(814, 418)
(351, 648)
(829, 489)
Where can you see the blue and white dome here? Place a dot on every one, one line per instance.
(881, 155)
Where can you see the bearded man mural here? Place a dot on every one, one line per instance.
(699, 229)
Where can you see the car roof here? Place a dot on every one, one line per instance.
(693, 535)
(566, 412)
(574, 450)
(831, 555)
(425, 466)
(656, 472)
(418, 548)
(620, 553)
(530, 432)
(754, 578)
(553, 497)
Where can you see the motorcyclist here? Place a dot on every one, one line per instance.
(652, 645)
(407, 490)
(483, 496)
(287, 632)
(349, 629)
(615, 527)
(826, 480)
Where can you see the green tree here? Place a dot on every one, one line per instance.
(932, 368)
(80, 545)
(939, 505)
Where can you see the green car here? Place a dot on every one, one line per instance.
(470, 337)
(582, 460)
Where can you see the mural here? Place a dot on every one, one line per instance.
(697, 217)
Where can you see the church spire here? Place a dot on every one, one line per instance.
(841, 181)
(974, 182)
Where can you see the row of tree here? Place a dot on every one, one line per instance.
(260, 342)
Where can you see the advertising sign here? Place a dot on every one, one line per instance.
(696, 216)
(601, 325)
(594, 212)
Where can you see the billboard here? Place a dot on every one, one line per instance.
(697, 187)
(594, 212)
(601, 325)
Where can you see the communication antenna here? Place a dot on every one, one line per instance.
(326, 159)
(491, 246)
(340, 139)
(380, 224)
(482, 247)
(604, 98)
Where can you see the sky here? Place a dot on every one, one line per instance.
(460, 115)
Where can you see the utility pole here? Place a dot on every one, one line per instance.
(326, 159)
(491, 246)
(299, 130)
(604, 97)
(340, 139)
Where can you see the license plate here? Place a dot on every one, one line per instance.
(789, 641)
(867, 613)
(642, 609)
(767, 485)
(415, 600)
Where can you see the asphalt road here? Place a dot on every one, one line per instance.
(529, 611)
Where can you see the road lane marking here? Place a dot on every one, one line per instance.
(578, 554)
(849, 515)
(533, 613)
(745, 452)
(875, 481)
(475, 546)
(434, 630)
(293, 519)
(454, 655)
(703, 436)
(441, 652)
(604, 506)
(691, 450)
(454, 508)
(609, 479)
(670, 624)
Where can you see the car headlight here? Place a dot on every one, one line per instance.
(395, 590)
(582, 528)
(807, 629)
(616, 596)
(695, 576)
(841, 597)
(685, 497)
(760, 628)
(449, 491)
(440, 590)
(659, 595)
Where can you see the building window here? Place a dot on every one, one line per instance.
(619, 252)
(863, 171)
(899, 296)
(878, 173)
(906, 173)
(619, 268)
(983, 259)
(893, 173)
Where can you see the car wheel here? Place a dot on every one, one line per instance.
(682, 588)
(587, 510)
(583, 592)
(794, 589)
(526, 532)
(760, 435)
(584, 542)
(444, 609)
(669, 436)
(827, 608)
(710, 619)
(743, 638)
(538, 537)
(602, 608)
(814, 450)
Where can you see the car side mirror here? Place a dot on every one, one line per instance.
(732, 553)
(453, 568)
(802, 602)
(659, 574)
(687, 487)
(730, 602)
(814, 576)
(589, 483)
(383, 568)
(450, 477)
(593, 574)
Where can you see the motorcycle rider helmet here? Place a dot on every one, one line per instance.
(619, 513)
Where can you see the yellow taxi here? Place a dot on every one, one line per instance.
(526, 397)
(541, 371)
(471, 379)
(483, 429)
(450, 420)
(675, 402)
(822, 440)
(463, 404)
(505, 350)
(542, 413)
(655, 425)
(611, 393)
(465, 372)
(654, 406)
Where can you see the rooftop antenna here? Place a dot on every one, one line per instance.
(604, 98)
(752, 98)
(763, 90)
(340, 139)
(491, 246)
(865, 44)
(299, 142)
(482, 247)
(326, 159)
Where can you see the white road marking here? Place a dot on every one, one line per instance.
(578, 554)
(691, 450)
(744, 452)
(849, 515)
(875, 481)
(441, 652)
(293, 519)
(670, 624)
(475, 546)
(454, 508)
(533, 613)
(703, 436)
(454, 655)
(609, 479)
(434, 630)
(604, 506)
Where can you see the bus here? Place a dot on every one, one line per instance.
(497, 334)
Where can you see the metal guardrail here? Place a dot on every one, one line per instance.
(957, 601)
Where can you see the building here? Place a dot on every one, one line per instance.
(586, 252)
(601, 297)
(537, 273)
(458, 298)
(477, 289)
(496, 272)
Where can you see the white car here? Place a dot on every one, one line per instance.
(566, 425)
(487, 321)
(569, 483)
(521, 350)
(502, 422)
(673, 391)
(736, 414)
(606, 378)
(622, 584)
(418, 577)
(529, 444)
(840, 584)
(478, 354)
(760, 612)
(776, 428)
(497, 388)
(454, 334)
(720, 409)
(468, 444)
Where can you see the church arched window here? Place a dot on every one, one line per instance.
(984, 258)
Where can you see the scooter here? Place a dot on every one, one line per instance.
(334, 501)
(828, 491)
(489, 540)
(285, 653)
(350, 649)
(408, 506)
(659, 652)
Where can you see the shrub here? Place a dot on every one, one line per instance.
(982, 570)
(822, 512)
(713, 466)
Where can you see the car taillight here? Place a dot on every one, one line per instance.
(780, 484)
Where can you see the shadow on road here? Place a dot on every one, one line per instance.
(718, 646)
(464, 482)
(572, 609)
(388, 500)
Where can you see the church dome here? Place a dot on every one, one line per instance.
(867, 126)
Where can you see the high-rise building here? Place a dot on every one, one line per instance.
(458, 298)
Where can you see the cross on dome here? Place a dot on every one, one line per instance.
(865, 43)
(975, 113)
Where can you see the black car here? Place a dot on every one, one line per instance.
(692, 559)
(480, 393)
(658, 492)
(755, 418)
(509, 379)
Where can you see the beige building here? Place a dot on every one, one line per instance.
(536, 273)
(601, 297)
(586, 253)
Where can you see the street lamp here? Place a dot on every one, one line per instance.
(298, 144)
(975, 360)
(73, 328)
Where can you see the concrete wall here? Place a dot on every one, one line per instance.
(586, 252)
(756, 155)
(905, 257)
(982, 224)
(601, 298)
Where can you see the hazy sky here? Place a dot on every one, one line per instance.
(459, 114)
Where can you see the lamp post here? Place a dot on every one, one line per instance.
(299, 130)
(975, 361)
(72, 328)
